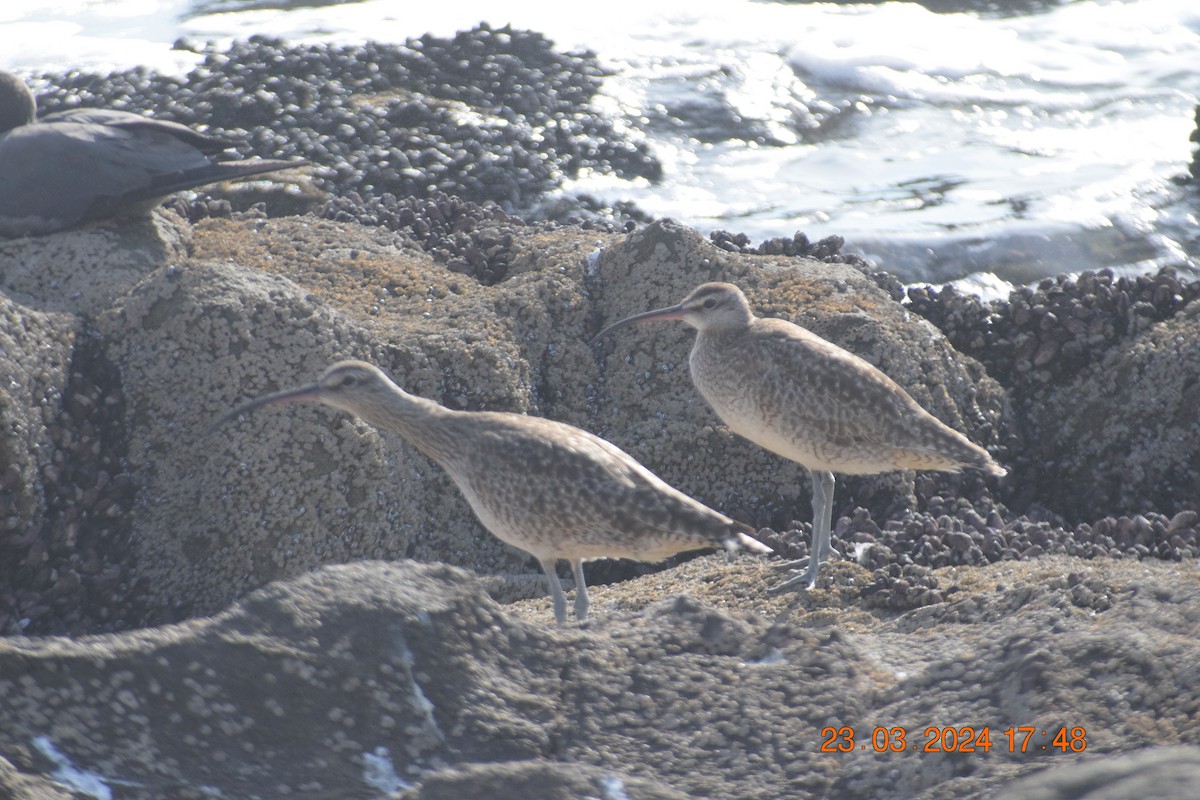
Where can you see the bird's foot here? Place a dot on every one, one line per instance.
(802, 563)
(831, 552)
(803, 580)
(798, 564)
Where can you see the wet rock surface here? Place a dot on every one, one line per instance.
(1194, 167)
(1159, 772)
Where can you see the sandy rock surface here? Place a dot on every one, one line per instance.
(297, 604)
(234, 309)
(368, 678)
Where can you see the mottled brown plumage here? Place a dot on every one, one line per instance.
(548, 488)
(788, 390)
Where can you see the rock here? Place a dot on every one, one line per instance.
(522, 780)
(371, 678)
(250, 305)
(1123, 436)
(489, 114)
(353, 658)
(22, 786)
(83, 270)
(648, 405)
(121, 515)
(1095, 369)
(1194, 167)
(65, 495)
(406, 677)
(1156, 773)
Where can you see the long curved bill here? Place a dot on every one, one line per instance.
(302, 395)
(670, 312)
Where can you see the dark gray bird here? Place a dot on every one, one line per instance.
(83, 165)
(551, 489)
(788, 390)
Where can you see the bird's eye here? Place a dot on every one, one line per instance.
(348, 380)
(710, 302)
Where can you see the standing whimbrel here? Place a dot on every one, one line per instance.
(788, 390)
(548, 488)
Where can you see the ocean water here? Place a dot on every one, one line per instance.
(989, 148)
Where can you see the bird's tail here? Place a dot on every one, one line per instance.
(954, 450)
(201, 176)
(982, 460)
(992, 468)
(741, 539)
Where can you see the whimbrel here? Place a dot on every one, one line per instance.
(550, 489)
(788, 390)
(88, 164)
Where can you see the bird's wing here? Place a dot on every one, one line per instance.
(561, 471)
(54, 176)
(138, 124)
(844, 403)
(824, 387)
(49, 180)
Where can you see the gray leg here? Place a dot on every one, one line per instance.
(826, 480)
(556, 593)
(820, 549)
(581, 595)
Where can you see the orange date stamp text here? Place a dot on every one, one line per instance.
(952, 739)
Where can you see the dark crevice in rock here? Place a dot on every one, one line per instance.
(70, 571)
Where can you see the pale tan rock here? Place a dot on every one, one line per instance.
(648, 405)
(82, 271)
(196, 320)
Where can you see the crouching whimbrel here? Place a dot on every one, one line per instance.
(788, 390)
(548, 488)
